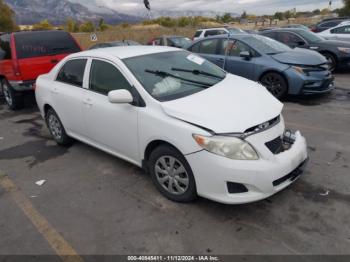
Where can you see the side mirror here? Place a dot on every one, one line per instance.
(245, 54)
(121, 96)
(300, 43)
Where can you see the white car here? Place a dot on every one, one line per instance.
(203, 33)
(340, 32)
(195, 128)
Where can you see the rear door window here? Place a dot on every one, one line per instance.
(72, 72)
(5, 48)
(36, 44)
(207, 47)
(214, 32)
(198, 34)
(341, 30)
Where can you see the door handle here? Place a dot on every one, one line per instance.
(54, 91)
(87, 102)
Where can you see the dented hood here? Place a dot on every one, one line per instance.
(231, 106)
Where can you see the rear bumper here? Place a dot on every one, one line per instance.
(21, 86)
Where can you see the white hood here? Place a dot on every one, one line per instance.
(232, 106)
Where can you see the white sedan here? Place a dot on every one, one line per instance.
(195, 128)
(340, 32)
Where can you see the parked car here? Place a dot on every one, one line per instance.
(296, 26)
(203, 33)
(26, 55)
(328, 23)
(267, 28)
(279, 68)
(114, 43)
(340, 32)
(336, 52)
(251, 31)
(197, 129)
(174, 41)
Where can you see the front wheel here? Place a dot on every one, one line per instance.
(332, 61)
(172, 175)
(14, 100)
(275, 84)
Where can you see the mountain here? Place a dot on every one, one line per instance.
(140, 11)
(159, 13)
(57, 12)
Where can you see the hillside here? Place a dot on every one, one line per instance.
(57, 12)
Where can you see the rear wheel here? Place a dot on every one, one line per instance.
(13, 99)
(56, 128)
(276, 84)
(172, 175)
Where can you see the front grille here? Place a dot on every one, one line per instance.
(292, 175)
(275, 146)
(264, 126)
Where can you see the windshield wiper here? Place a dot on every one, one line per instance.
(197, 72)
(167, 74)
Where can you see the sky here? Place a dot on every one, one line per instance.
(235, 6)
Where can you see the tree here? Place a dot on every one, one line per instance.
(72, 26)
(87, 27)
(279, 16)
(316, 12)
(43, 25)
(226, 18)
(102, 26)
(325, 11)
(7, 22)
(345, 11)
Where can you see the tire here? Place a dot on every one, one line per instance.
(275, 84)
(56, 128)
(333, 63)
(163, 163)
(13, 99)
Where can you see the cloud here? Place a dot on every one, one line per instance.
(237, 6)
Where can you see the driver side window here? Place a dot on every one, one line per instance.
(289, 38)
(105, 77)
(234, 48)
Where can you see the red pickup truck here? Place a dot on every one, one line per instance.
(26, 55)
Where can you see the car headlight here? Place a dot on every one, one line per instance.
(345, 50)
(230, 147)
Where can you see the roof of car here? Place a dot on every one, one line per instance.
(123, 52)
(213, 28)
(291, 29)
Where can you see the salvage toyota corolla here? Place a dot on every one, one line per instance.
(195, 128)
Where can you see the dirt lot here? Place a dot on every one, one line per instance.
(93, 203)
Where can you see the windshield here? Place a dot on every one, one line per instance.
(310, 36)
(235, 30)
(180, 41)
(171, 75)
(266, 45)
